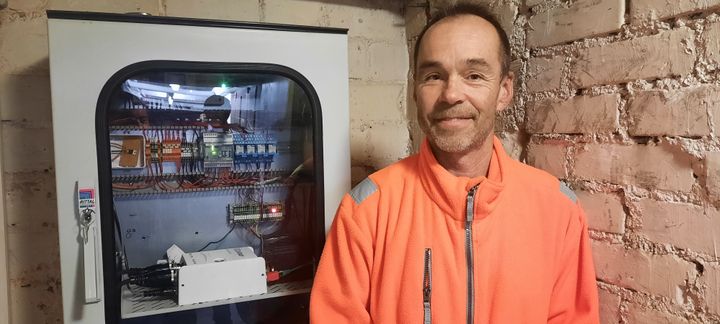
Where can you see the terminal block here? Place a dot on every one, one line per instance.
(254, 212)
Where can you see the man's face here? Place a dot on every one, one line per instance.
(459, 83)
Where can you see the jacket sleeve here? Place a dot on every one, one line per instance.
(341, 289)
(575, 297)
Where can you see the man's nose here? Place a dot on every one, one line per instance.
(453, 92)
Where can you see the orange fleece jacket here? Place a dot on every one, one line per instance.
(531, 260)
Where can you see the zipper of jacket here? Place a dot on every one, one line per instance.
(427, 286)
(469, 214)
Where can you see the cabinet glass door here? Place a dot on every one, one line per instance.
(214, 192)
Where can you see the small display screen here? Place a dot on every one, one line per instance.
(86, 194)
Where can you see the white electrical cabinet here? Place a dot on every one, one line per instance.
(198, 164)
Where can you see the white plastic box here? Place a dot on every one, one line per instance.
(220, 274)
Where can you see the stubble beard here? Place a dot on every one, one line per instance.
(458, 141)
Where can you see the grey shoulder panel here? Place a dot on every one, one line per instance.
(568, 192)
(363, 190)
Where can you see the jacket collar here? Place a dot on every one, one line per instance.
(450, 192)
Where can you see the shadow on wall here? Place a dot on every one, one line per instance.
(29, 193)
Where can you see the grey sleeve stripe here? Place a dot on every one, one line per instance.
(363, 190)
(568, 192)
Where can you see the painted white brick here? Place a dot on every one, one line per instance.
(358, 58)
(384, 20)
(214, 9)
(149, 6)
(24, 47)
(378, 144)
(377, 102)
(25, 99)
(388, 61)
(383, 62)
(381, 21)
(26, 6)
(30, 205)
(300, 12)
(34, 271)
(27, 149)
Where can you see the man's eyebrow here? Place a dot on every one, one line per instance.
(474, 62)
(477, 62)
(429, 64)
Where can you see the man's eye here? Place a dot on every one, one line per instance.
(475, 77)
(432, 77)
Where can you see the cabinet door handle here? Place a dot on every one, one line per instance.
(87, 211)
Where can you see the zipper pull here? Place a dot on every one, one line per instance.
(470, 207)
(427, 277)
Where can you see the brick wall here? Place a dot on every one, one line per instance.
(378, 81)
(622, 102)
(620, 99)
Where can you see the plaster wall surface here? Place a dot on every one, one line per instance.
(378, 85)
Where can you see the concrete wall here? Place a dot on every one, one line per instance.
(378, 78)
(620, 99)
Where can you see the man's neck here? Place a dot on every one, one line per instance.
(472, 163)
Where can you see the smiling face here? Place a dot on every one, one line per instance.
(459, 84)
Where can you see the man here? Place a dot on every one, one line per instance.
(459, 233)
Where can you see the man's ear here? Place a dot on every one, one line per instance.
(505, 96)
